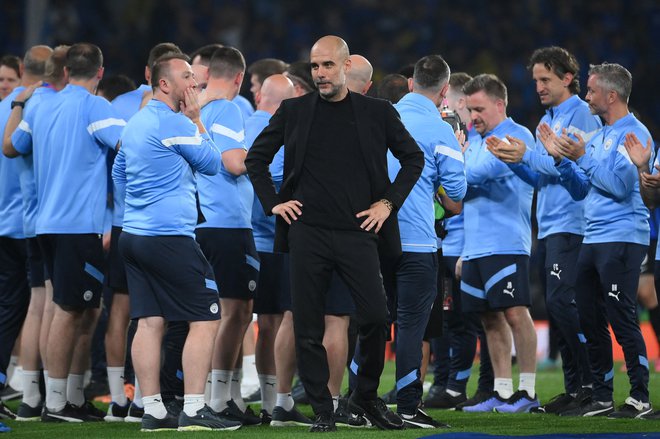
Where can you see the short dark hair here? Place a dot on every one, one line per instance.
(266, 67)
(300, 72)
(559, 61)
(431, 73)
(205, 53)
(115, 85)
(159, 50)
(226, 62)
(457, 81)
(612, 76)
(83, 60)
(489, 84)
(393, 87)
(13, 62)
(54, 71)
(161, 67)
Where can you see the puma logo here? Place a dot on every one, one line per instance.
(614, 293)
(58, 392)
(270, 384)
(509, 289)
(223, 382)
(616, 296)
(555, 271)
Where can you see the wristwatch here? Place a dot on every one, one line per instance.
(17, 104)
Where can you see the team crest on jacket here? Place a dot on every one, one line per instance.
(608, 144)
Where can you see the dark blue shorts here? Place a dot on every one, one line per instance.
(168, 276)
(495, 283)
(234, 258)
(75, 265)
(36, 264)
(116, 276)
(274, 293)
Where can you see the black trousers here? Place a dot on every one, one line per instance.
(14, 297)
(314, 253)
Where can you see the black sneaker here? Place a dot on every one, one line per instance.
(265, 417)
(390, 397)
(94, 414)
(345, 418)
(70, 413)
(233, 413)
(434, 391)
(10, 394)
(375, 411)
(591, 408)
(555, 405)
(583, 395)
(173, 405)
(135, 413)
(655, 416)
(478, 398)
(298, 393)
(26, 413)
(5, 413)
(631, 409)
(150, 423)
(323, 423)
(206, 420)
(420, 420)
(444, 400)
(116, 412)
(291, 418)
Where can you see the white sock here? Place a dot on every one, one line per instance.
(453, 392)
(236, 378)
(527, 382)
(137, 395)
(153, 405)
(220, 389)
(75, 389)
(16, 380)
(116, 384)
(193, 403)
(46, 380)
(335, 403)
(56, 396)
(267, 385)
(285, 400)
(31, 394)
(503, 387)
(11, 368)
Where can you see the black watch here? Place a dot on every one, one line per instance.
(17, 104)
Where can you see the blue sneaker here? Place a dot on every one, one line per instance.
(4, 428)
(488, 405)
(520, 402)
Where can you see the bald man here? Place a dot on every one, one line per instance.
(14, 287)
(337, 195)
(358, 78)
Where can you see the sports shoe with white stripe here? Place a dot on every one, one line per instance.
(631, 408)
(420, 420)
(591, 408)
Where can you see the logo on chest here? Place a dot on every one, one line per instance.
(608, 144)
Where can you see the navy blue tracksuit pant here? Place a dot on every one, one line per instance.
(607, 281)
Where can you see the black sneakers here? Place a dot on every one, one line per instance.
(591, 408)
(206, 420)
(291, 418)
(345, 418)
(69, 413)
(443, 400)
(134, 414)
(631, 409)
(232, 412)
(420, 420)
(375, 411)
(10, 394)
(5, 413)
(116, 412)
(390, 397)
(26, 413)
(323, 423)
(150, 423)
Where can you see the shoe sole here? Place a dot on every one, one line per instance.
(57, 418)
(289, 424)
(203, 428)
(132, 419)
(156, 430)
(110, 418)
(601, 412)
(524, 410)
(417, 424)
(28, 419)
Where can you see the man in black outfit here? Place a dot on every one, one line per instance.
(335, 205)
